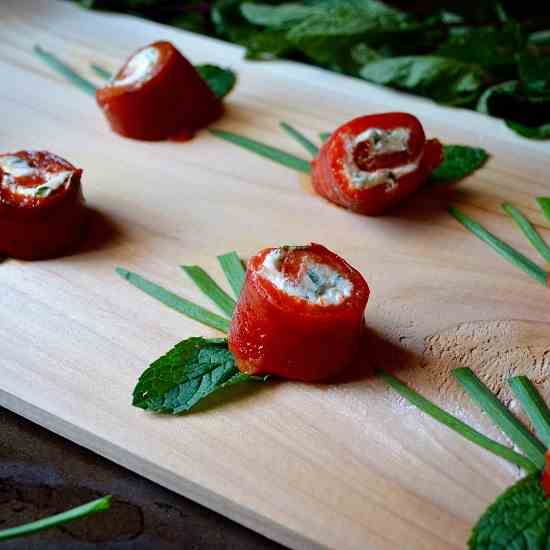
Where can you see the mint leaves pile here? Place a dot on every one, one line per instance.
(492, 56)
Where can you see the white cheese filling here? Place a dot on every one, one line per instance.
(381, 142)
(14, 167)
(316, 283)
(139, 68)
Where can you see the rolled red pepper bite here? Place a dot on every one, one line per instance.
(158, 94)
(42, 211)
(299, 315)
(373, 163)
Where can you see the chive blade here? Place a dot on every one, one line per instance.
(324, 136)
(73, 514)
(266, 151)
(544, 203)
(102, 72)
(528, 230)
(534, 406)
(234, 271)
(456, 425)
(187, 308)
(63, 69)
(306, 143)
(505, 250)
(210, 288)
(501, 416)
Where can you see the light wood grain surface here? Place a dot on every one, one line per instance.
(346, 466)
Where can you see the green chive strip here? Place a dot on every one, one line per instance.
(210, 288)
(187, 308)
(505, 250)
(534, 406)
(63, 69)
(101, 72)
(544, 203)
(501, 416)
(73, 514)
(301, 139)
(324, 136)
(272, 153)
(528, 230)
(456, 425)
(233, 270)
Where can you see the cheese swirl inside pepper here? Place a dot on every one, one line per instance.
(372, 145)
(310, 281)
(139, 68)
(21, 178)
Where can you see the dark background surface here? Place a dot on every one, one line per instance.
(42, 474)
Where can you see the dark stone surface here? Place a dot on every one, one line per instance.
(43, 474)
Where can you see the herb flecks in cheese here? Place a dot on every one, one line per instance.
(316, 283)
(14, 167)
(139, 68)
(380, 142)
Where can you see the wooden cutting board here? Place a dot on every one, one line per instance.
(348, 466)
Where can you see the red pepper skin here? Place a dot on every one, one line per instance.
(329, 176)
(44, 227)
(172, 100)
(546, 476)
(274, 333)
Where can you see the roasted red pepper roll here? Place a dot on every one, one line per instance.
(374, 162)
(42, 211)
(158, 94)
(299, 315)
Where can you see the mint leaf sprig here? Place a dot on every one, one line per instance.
(63, 518)
(194, 368)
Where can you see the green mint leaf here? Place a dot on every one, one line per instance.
(518, 520)
(527, 116)
(444, 80)
(220, 81)
(544, 204)
(266, 45)
(194, 369)
(540, 38)
(541, 132)
(339, 18)
(282, 16)
(493, 48)
(534, 74)
(459, 161)
(63, 518)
